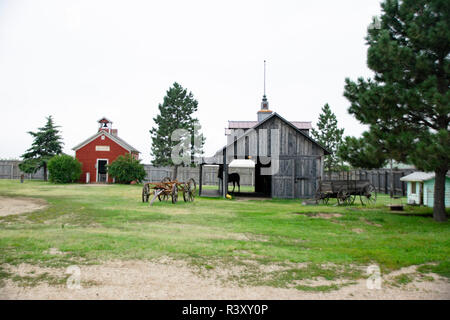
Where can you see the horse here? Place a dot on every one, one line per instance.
(232, 177)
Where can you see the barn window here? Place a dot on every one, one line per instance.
(103, 137)
(413, 187)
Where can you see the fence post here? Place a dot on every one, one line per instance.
(386, 176)
(379, 181)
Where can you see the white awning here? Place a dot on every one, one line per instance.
(242, 163)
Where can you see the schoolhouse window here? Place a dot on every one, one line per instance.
(413, 187)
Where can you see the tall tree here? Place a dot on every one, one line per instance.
(330, 136)
(406, 104)
(176, 112)
(46, 144)
(362, 152)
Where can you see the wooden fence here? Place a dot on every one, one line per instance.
(381, 179)
(9, 169)
(209, 174)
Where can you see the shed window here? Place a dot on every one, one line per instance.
(413, 187)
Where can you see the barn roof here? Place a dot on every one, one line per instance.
(285, 121)
(302, 125)
(116, 139)
(420, 176)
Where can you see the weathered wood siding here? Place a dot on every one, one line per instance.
(299, 158)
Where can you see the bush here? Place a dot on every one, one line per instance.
(64, 169)
(126, 169)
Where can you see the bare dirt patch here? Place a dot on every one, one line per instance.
(18, 205)
(370, 223)
(320, 215)
(169, 279)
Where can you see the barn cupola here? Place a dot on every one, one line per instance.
(105, 124)
(264, 112)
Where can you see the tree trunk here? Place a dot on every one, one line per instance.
(45, 171)
(175, 172)
(439, 213)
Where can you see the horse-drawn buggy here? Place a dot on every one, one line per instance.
(346, 191)
(168, 188)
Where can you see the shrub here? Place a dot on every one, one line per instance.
(64, 169)
(126, 169)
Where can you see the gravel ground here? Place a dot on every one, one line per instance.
(170, 279)
(20, 205)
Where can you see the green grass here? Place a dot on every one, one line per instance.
(91, 224)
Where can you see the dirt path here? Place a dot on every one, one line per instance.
(18, 205)
(175, 280)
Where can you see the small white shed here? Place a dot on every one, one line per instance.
(420, 188)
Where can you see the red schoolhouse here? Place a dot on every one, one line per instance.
(100, 150)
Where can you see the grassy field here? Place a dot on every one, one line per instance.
(92, 224)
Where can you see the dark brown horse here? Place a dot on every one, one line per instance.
(232, 177)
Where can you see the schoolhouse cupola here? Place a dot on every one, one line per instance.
(104, 124)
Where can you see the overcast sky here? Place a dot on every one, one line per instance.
(81, 60)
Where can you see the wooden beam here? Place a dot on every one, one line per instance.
(225, 173)
(200, 180)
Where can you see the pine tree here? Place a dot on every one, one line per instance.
(406, 104)
(363, 153)
(329, 136)
(176, 112)
(46, 144)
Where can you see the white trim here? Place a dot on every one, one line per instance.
(123, 144)
(96, 170)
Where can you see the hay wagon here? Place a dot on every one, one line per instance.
(168, 188)
(346, 191)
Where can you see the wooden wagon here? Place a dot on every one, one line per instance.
(346, 191)
(168, 188)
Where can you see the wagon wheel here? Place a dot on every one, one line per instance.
(351, 199)
(318, 196)
(322, 198)
(368, 195)
(189, 190)
(343, 197)
(192, 182)
(145, 193)
(174, 193)
(163, 196)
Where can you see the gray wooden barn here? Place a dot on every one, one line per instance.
(296, 160)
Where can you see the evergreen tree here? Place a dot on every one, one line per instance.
(176, 112)
(362, 152)
(406, 104)
(46, 144)
(329, 136)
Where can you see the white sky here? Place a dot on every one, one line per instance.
(81, 60)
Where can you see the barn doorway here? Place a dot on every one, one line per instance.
(102, 174)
